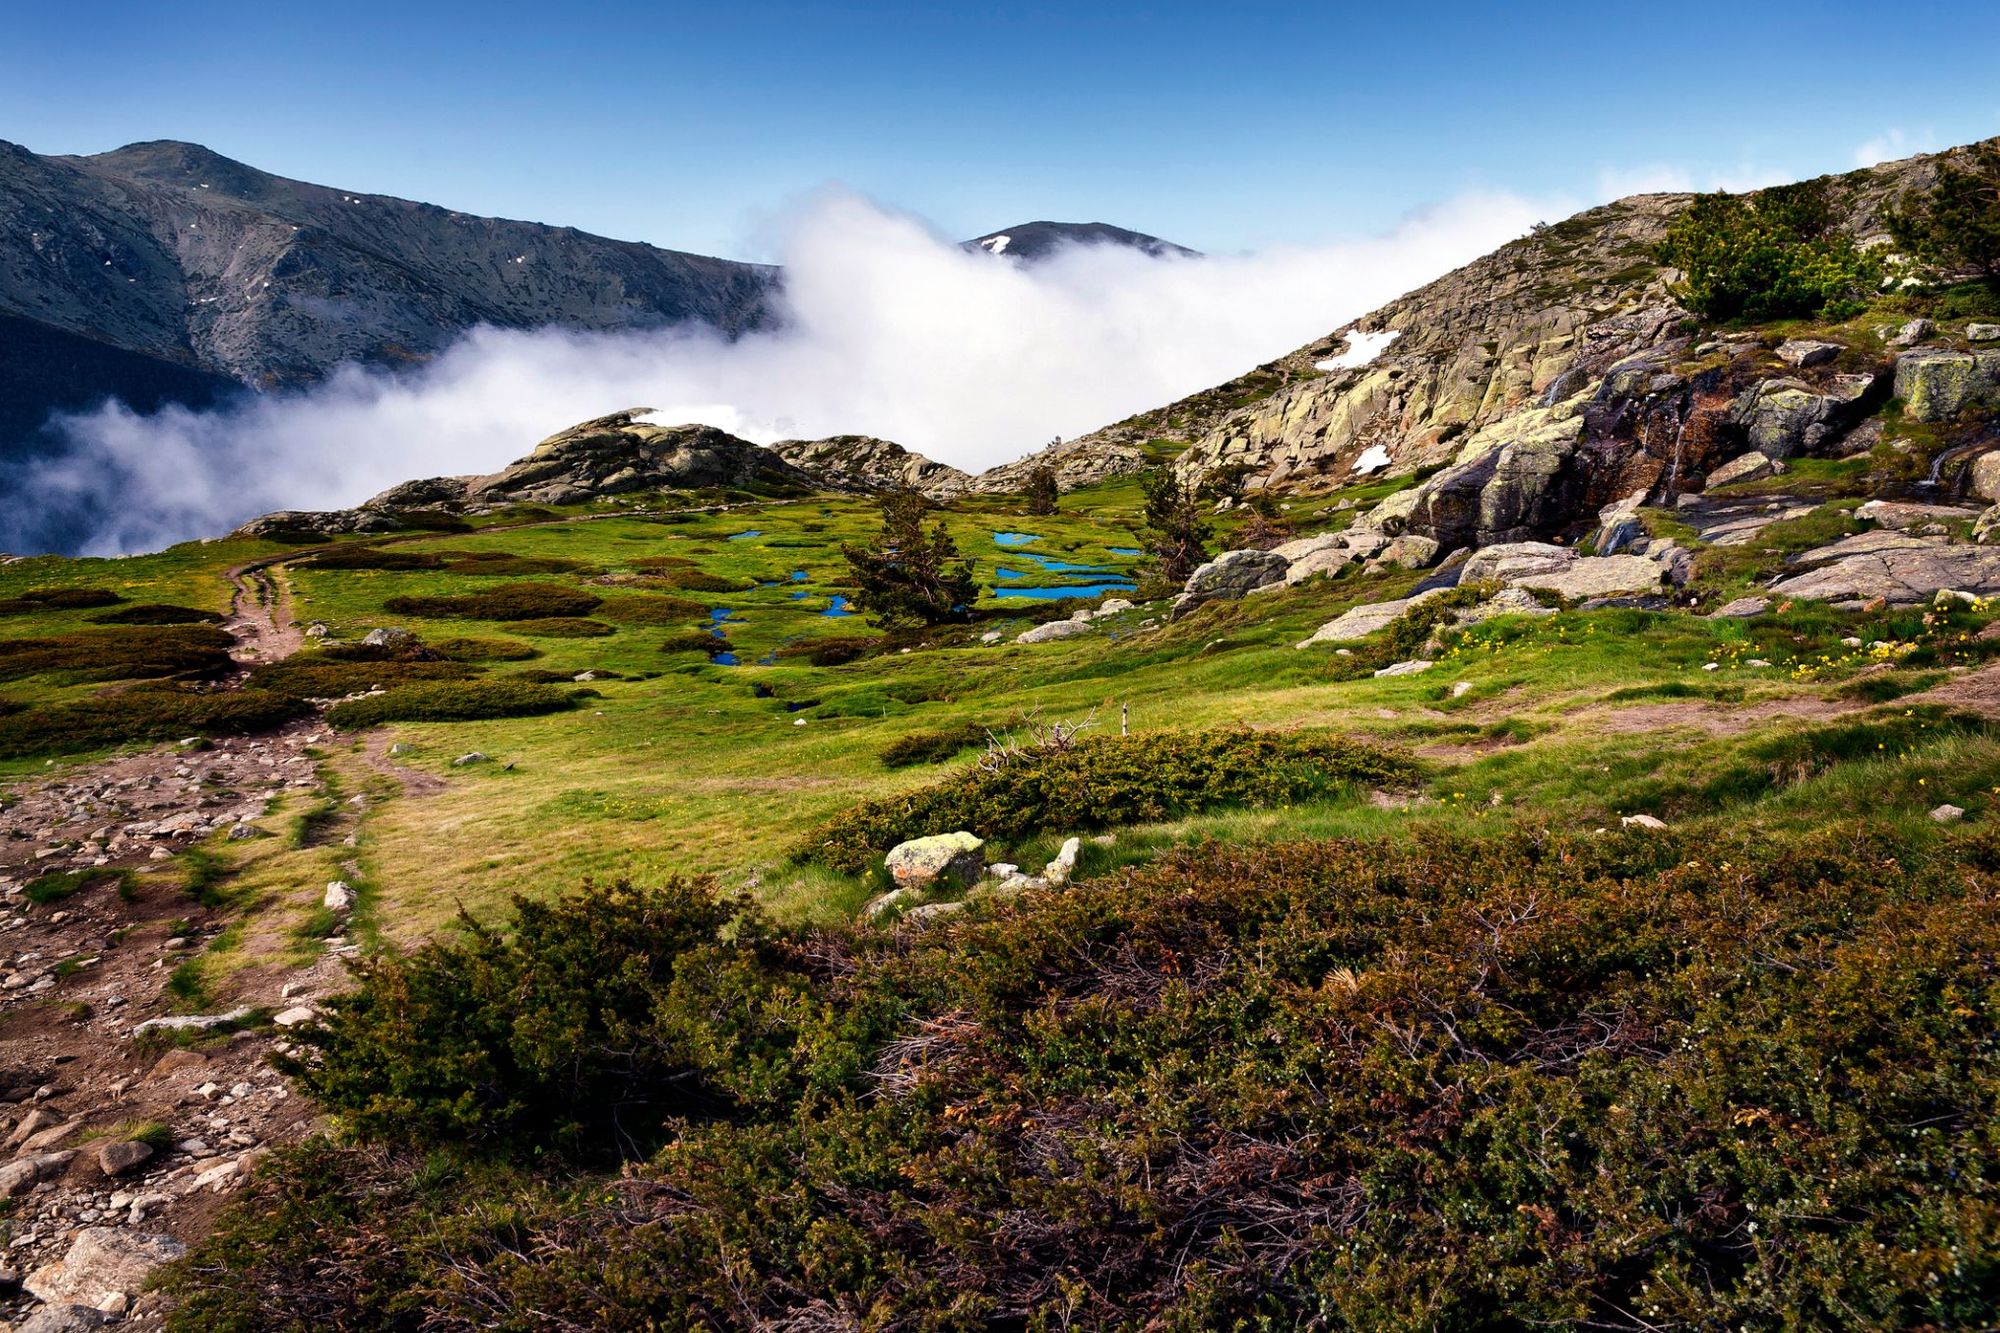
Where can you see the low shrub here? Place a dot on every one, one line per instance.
(143, 713)
(159, 613)
(371, 557)
(693, 641)
(1673, 1080)
(516, 601)
(690, 579)
(485, 650)
(651, 611)
(60, 884)
(932, 747)
(57, 599)
(1107, 781)
(562, 628)
(189, 651)
(499, 563)
(305, 677)
(450, 701)
(831, 651)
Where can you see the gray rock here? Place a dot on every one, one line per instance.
(24, 1173)
(391, 637)
(1361, 621)
(466, 760)
(1328, 561)
(1646, 822)
(102, 1263)
(1783, 417)
(932, 912)
(1112, 606)
(1409, 668)
(1742, 608)
(1983, 478)
(1753, 466)
(1912, 333)
(1901, 514)
(115, 1159)
(1982, 333)
(944, 858)
(339, 897)
(1803, 352)
(1229, 576)
(1055, 629)
(1948, 814)
(1938, 385)
(618, 453)
(1901, 569)
(1301, 547)
(195, 1022)
(869, 465)
(1600, 576)
(1514, 562)
(1409, 551)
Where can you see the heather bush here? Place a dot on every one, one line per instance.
(932, 747)
(562, 627)
(1102, 782)
(159, 613)
(190, 651)
(515, 601)
(651, 610)
(305, 676)
(142, 713)
(58, 599)
(1663, 1080)
(451, 701)
(484, 650)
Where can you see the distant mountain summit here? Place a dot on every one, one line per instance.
(1032, 241)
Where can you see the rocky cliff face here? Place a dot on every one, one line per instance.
(864, 463)
(619, 453)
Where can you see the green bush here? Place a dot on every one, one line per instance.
(142, 713)
(516, 601)
(562, 628)
(305, 677)
(160, 613)
(191, 651)
(651, 611)
(932, 747)
(57, 599)
(693, 641)
(1109, 781)
(832, 651)
(451, 701)
(542, 1038)
(485, 650)
(1955, 225)
(371, 557)
(1775, 254)
(60, 884)
(506, 563)
(1689, 1081)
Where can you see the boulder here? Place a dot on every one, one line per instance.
(338, 897)
(1229, 576)
(1514, 562)
(1112, 606)
(944, 858)
(1619, 527)
(1753, 466)
(1301, 547)
(1982, 333)
(1600, 576)
(1937, 385)
(1055, 629)
(1409, 551)
(869, 465)
(24, 1173)
(1361, 621)
(1783, 417)
(620, 453)
(1803, 352)
(1901, 514)
(1897, 568)
(1506, 602)
(1513, 478)
(1912, 333)
(932, 912)
(194, 1022)
(101, 1265)
(115, 1159)
(1983, 478)
(391, 637)
(1742, 608)
(1409, 668)
(1947, 814)
(1328, 562)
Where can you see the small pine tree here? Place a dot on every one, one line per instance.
(1042, 491)
(905, 577)
(1771, 255)
(1177, 526)
(1955, 225)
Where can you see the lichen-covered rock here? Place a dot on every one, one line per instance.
(1409, 551)
(866, 464)
(1512, 562)
(102, 1263)
(1982, 333)
(613, 454)
(1803, 352)
(923, 864)
(1937, 385)
(1361, 621)
(1231, 575)
(1753, 466)
(1899, 568)
(1784, 417)
(1055, 629)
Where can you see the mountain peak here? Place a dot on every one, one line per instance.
(1033, 241)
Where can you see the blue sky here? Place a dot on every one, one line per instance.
(1225, 127)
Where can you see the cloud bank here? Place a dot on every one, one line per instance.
(890, 330)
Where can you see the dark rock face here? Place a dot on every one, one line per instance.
(615, 454)
(182, 271)
(1032, 241)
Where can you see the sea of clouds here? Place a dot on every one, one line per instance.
(889, 329)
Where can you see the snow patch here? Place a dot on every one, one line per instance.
(1374, 458)
(996, 245)
(1362, 348)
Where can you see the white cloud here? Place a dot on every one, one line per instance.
(1894, 145)
(1667, 178)
(892, 330)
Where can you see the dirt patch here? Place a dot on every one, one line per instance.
(1975, 692)
(413, 781)
(1716, 719)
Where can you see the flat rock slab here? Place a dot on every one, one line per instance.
(1362, 621)
(102, 1263)
(1901, 570)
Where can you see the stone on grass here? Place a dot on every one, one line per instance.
(1055, 629)
(467, 759)
(1231, 575)
(1753, 466)
(1409, 668)
(1804, 352)
(115, 1159)
(338, 898)
(1982, 333)
(1642, 822)
(292, 1017)
(391, 637)
(1742, 608)
(1364, 620)
(1948, 813)
(944, 858)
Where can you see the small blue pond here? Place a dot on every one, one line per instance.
(800, 596)
(798, 576)
(1008, 574)
(1124, 550)
(1062, 566)
(718, 617)
(1015, 538)
(837, 609)
(723, 659)
(741, 536)
(1044, 593)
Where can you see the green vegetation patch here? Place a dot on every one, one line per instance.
(932, 747)
(515, 601)
(60, 884)
(1108, 781)
(451, 701)
(563, 627)
(159, 613)
(195, 651)
(143, 713)
(306, 678)
(57, 599)
(650, 611)
(1430, 1081)
(484, 650)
